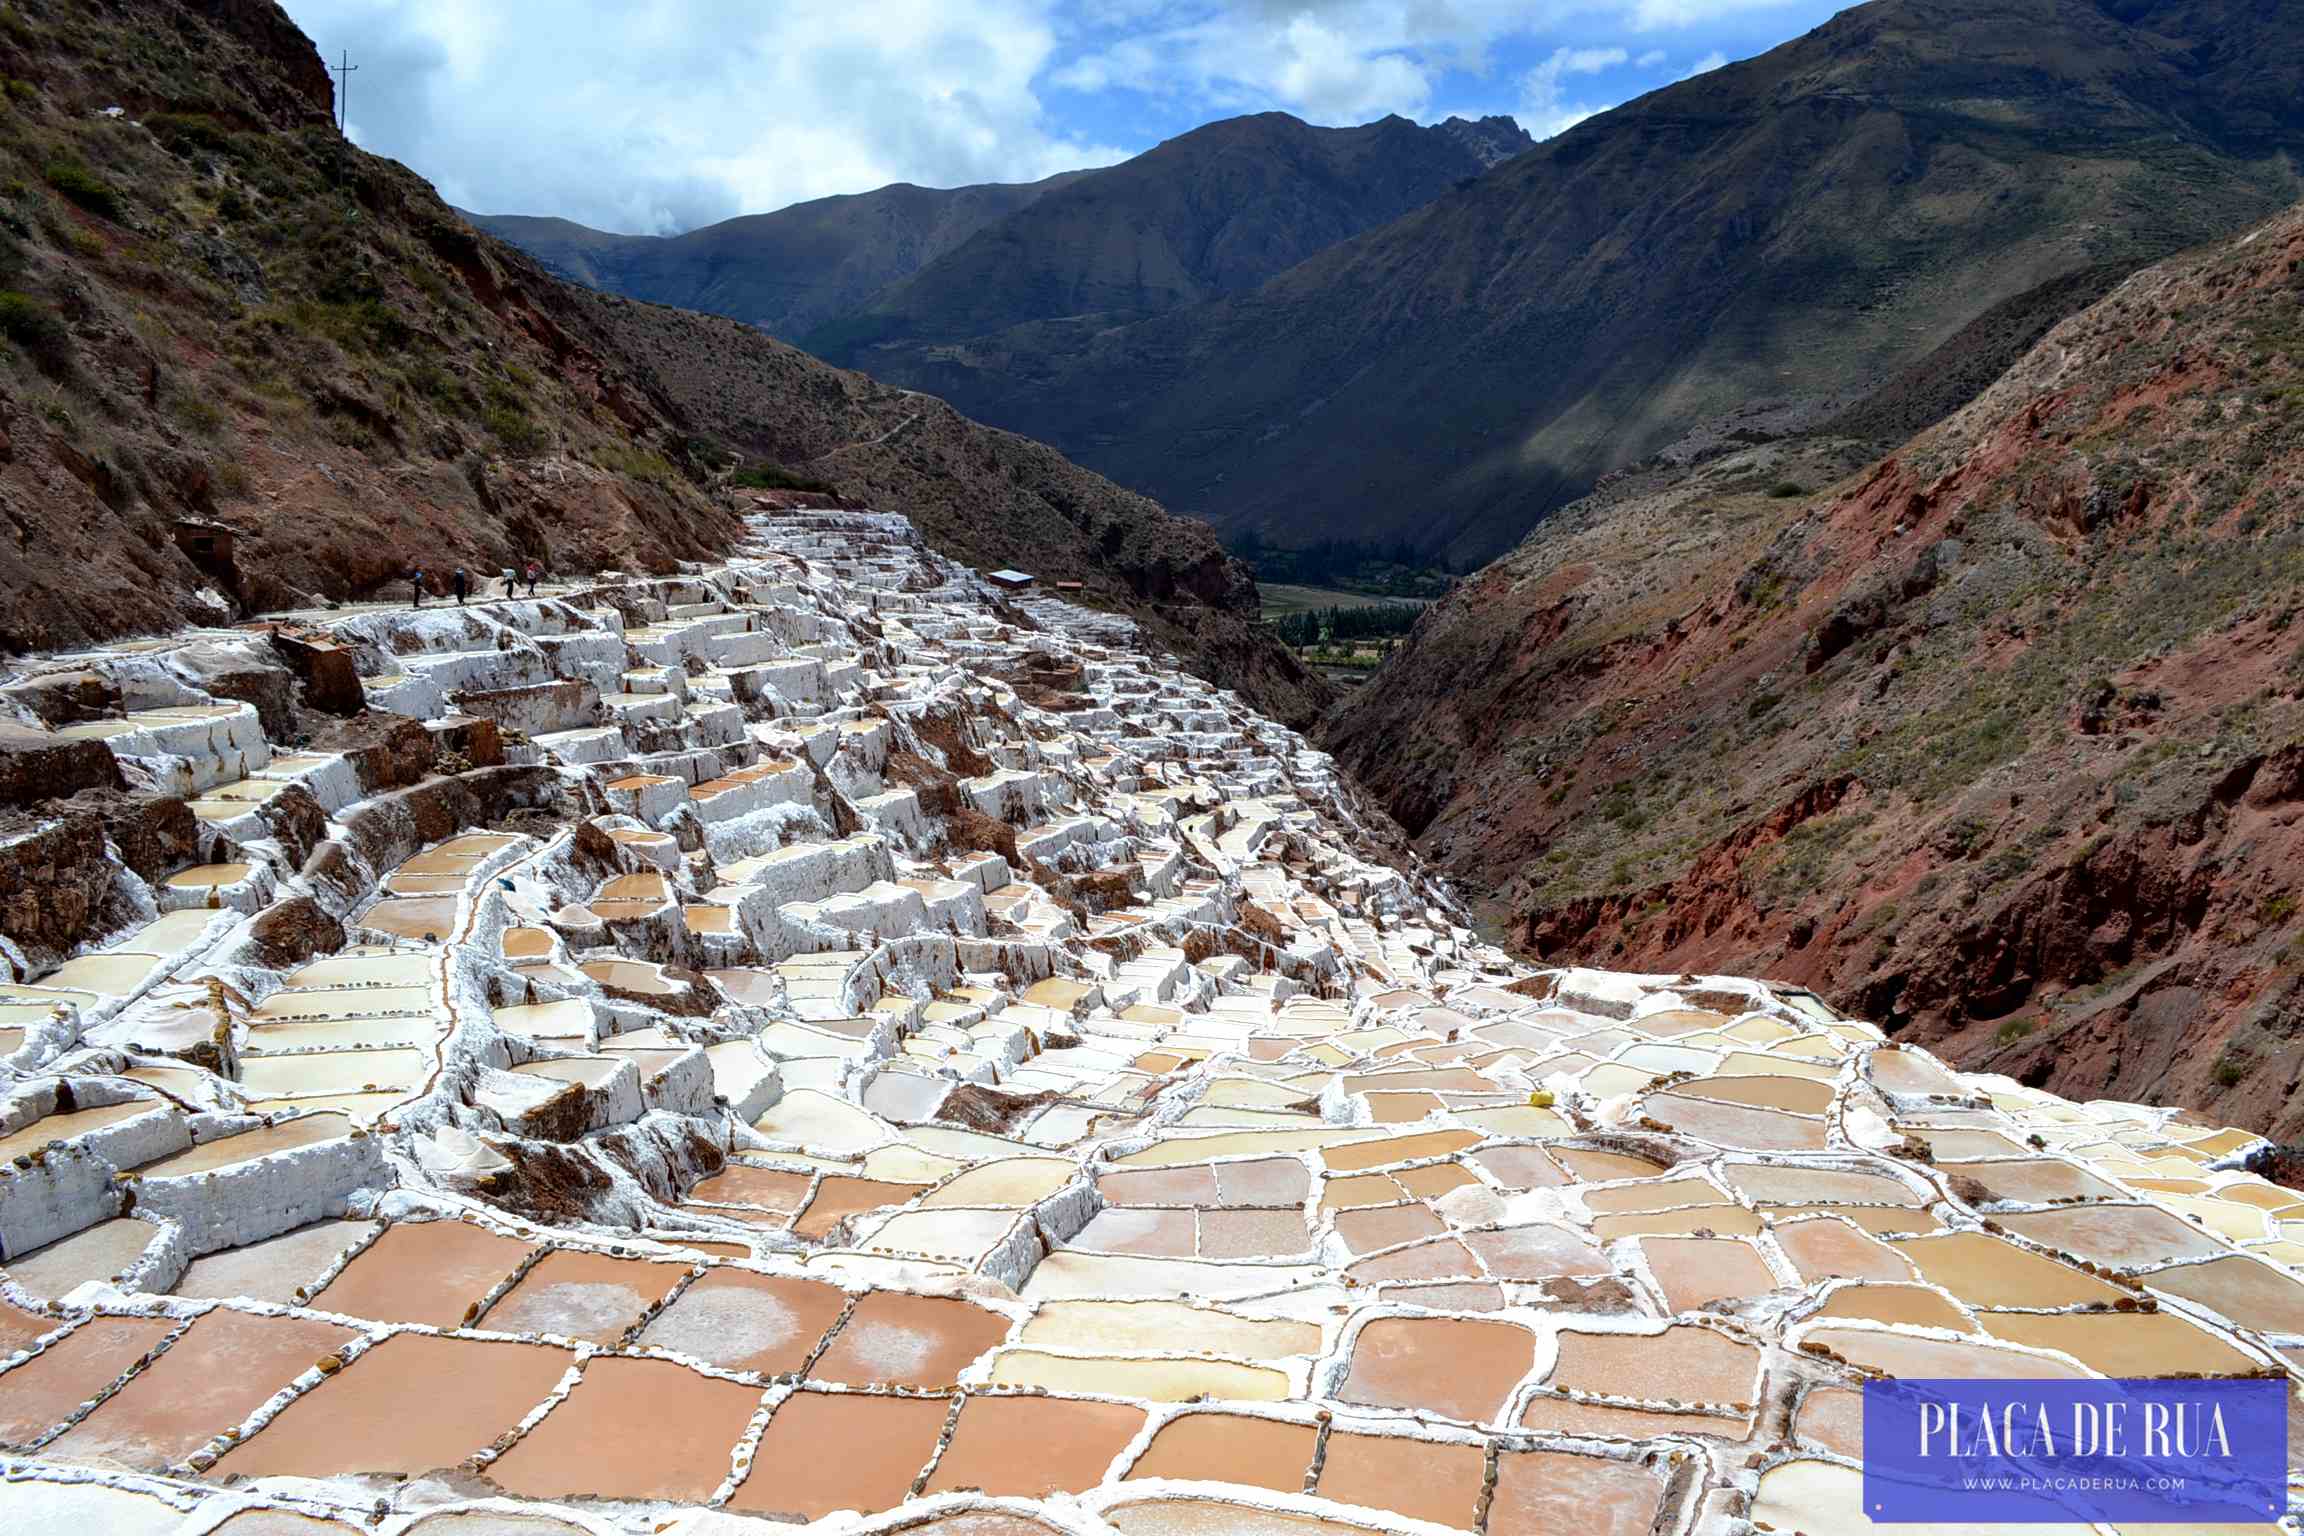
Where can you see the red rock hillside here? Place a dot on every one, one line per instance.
(1999, 740)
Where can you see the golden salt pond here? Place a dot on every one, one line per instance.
(334, 1072)
(274, 1269)
(1919, 1306)
(369, 968)
(1441, 1483)
(71, 1124)
(2251, 1293)
(116, 973)
(2120, 1235)
(2123, 1343)
(1683, 1363)
(1117, 1327)
(1218, 1517)
(207, 876)
(424, 918)
(344, 1003)
(100, 1252)
(580, 1295)
(1903, 1354)
(1157, 1381)
(918, 1342)
(1695, 1270)
(229, 1151)
(1983, 1271)
(637, 976)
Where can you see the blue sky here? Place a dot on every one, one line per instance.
(653, 116)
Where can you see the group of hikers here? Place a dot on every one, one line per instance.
(460, 584)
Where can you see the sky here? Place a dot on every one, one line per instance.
(656, 116)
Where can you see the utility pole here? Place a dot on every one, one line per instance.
(343, 67)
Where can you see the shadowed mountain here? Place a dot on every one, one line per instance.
(1807, 222)
(786, 272)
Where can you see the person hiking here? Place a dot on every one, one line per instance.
(511, 582)
(416, 584)
(535, 575)
(459, 581)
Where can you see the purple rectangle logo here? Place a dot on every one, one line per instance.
(2043, 1452)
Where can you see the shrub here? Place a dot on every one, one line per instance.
(198, 414)
(182, 131)
(33, 326)
(2276, 909)
(1783, 489)
(762, 475)
(2230, 1068)
(514, 428)
(2015, 1030)
(84, 187)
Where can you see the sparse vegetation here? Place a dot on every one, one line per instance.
(84, 188)
(763, 475)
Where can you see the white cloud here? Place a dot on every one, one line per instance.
(1705, 65)
(654, 115)
(662, 114)
(1543, 111)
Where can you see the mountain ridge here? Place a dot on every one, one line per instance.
(1817, 217)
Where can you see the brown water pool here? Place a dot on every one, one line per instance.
(1695, 1270)
(423, 1272)
(580, 1295)
(1461, 1367)
(1423, 1480)
(1230, 1448)
(1553, 1493)
(896, 1340)
(49, 1388)
(884, 1443)
(1685, 1363)
(224, 1368)
(1030, 1447)
(741, 1321)
(632, 1429)
(1828, 1250)
(840, 1197)
(413, 1403)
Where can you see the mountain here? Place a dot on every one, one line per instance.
(1805, 223)
(1214, 211)
(1998, 740)
(248, 367)
(786, 272)
(1209, 212)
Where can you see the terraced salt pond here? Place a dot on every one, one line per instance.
(719, 1123)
